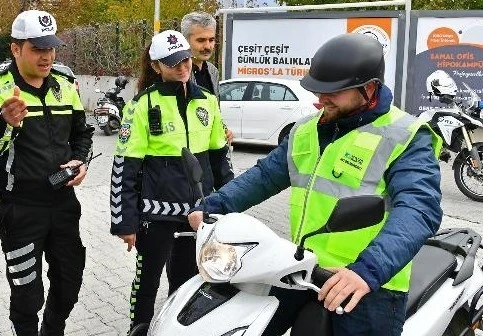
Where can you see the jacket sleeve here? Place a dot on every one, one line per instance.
(413, 183)
(81, 133)
(7, 132)
(219, 152)
(267, 178)
(126, 169)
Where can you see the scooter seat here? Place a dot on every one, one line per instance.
(431, 267)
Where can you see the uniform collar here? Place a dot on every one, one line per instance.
(176, 88)
(49, 82)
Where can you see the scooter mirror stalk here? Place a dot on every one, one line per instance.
(350, 213)
(195, 175)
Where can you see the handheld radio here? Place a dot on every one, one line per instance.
(62, 177)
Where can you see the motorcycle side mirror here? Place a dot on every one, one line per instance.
(192, 166)
(195, 176)
(349, 214)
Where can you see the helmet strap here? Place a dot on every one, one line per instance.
(363, 92)
(370, 102)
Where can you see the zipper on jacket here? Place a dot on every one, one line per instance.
(309, 185)
(49, 120)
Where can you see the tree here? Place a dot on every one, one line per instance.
(416, 4)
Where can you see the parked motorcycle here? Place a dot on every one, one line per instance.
(108, 112)
(238, 265)
(455, 123)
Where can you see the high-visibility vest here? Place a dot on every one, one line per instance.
(203, 131)
(350, 166)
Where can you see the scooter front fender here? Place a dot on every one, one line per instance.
(203, 309)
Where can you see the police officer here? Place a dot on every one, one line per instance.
(151, 194)
(43, 129)
(395, 156)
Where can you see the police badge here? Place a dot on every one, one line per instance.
(124, 133)
(57, 92)
(202, 115)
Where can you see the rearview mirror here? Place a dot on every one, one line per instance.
(354, 213)
(195, 176)
(350, 213)
(192, 166)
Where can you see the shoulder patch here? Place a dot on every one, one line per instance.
(61, 74)
(143, 92)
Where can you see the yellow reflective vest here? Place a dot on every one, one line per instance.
(350, 166)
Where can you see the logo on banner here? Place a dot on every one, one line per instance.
(377, 33)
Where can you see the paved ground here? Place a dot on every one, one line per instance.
(103, 304)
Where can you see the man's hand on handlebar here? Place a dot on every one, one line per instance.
(340, 286)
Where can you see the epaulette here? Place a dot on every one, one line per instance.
(60, 73)
(144, 91)
(3, 71)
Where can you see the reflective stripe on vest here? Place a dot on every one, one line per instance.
(352, 165)
(164, 208)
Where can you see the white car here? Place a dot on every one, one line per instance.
(263, 110)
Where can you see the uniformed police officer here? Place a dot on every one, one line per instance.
(171, 114)
(391, 154)
(43, 129)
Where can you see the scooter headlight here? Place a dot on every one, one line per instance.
(219, 262)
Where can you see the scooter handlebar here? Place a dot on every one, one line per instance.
(319, 277)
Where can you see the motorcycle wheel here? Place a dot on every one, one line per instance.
(107, 129)
(457, 324)
(467, 181)
(140, 329)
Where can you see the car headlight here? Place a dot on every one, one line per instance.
(219, 262)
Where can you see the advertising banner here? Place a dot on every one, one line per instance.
(283, 47)
(453, 45)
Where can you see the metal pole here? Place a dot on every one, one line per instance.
(157, 23)
(406, 54)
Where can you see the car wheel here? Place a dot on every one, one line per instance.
(285, 131)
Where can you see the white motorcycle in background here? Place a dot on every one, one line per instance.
(239, 259)
(108, 111)
(455, 123)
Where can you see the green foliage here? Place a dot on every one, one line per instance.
(416, 4)
(4, 47)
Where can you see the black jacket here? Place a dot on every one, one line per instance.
(53, 132)
(163, 192)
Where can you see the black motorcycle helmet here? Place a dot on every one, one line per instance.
(344, 62)
(121, 82)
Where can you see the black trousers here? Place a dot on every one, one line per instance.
(27, 232)
(156, 247)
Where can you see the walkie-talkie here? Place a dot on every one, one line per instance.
(62, 177)
(154, 120)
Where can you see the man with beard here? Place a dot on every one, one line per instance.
(358, 144)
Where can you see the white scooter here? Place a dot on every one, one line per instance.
(239, 259)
